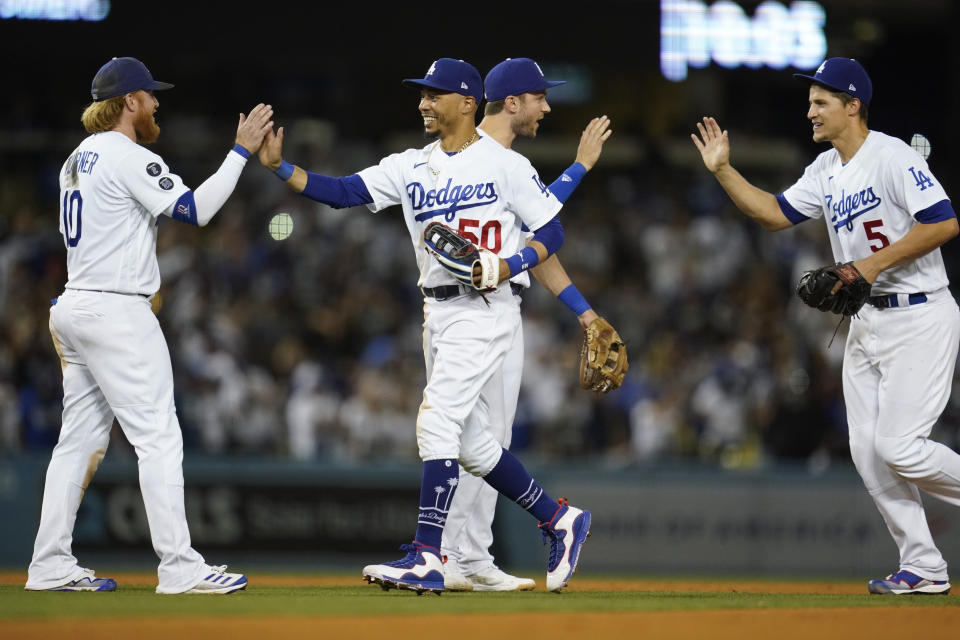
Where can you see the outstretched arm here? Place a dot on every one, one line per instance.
(714, 147)
(342, 192)
(554, 278)
(588, 152)
(198, 207)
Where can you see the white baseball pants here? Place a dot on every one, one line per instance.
(474, 357)
(115, 363)
(469, 531)
(897, 374)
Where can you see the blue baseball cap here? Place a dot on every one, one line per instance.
(843, 74)
(449, 74)
(514, 76)
(123, 75)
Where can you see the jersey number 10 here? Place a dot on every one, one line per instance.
(72, 225)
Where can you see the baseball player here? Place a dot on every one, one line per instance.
(516, 94)
(112, 352)
(887, 215)
(470, 182)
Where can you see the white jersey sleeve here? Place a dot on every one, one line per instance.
(150, 181)
(913, 186)
(385, 181)
(531, 199)
(805, 196)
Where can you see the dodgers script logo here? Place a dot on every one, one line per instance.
(449, 199)
(849, 207)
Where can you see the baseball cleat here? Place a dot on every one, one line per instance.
(908, 583)
(566, 532)
(454, 580)
(88, 582)
(494, 579)
(219, 581)
(421, 570)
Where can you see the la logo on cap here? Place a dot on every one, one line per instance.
(822, 65)
(432, 68)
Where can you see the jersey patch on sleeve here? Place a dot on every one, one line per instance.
(153, 169)
(166, 183)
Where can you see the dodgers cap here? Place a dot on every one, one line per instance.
(843, 74)
(123, 75)
(514, 76)
(450, 74)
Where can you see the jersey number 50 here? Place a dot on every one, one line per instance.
(489, 237)
(72, 225)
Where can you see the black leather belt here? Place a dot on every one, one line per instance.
(888, 301)
(450, 291)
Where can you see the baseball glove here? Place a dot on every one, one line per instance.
(603, 357)
(816, 289)
(472, 265)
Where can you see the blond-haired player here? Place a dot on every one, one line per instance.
(113, 354)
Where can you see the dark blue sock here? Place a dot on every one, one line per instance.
(511, 479)
(437, 487)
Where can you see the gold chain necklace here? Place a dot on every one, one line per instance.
(466, 144)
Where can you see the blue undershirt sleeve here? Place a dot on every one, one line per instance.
(792, 214)
(185, 209)
(339, 193)
(938, 212)
(563, 186)
(550, 235)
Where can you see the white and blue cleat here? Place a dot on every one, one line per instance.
(88, 582)
(908, 583)
(421, 570)
(566, 532)
(219, 581)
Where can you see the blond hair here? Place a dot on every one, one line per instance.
(102, 116)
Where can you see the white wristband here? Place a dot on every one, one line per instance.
(489, 270)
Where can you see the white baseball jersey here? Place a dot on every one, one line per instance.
(111, 192)
(486, 191)
(870, 203)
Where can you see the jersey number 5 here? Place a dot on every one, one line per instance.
(72, 225)
(872, 234)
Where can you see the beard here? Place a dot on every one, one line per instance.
(146, 127)
(525, 127)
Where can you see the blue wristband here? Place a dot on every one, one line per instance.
(284, 171)
(242, 150)
(526, 259)
(572, 298)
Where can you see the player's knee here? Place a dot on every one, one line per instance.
(903, 455)
(479, 460)
(437, 436)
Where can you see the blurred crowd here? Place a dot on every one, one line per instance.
(310, 347)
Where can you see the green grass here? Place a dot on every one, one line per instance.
(370, 600)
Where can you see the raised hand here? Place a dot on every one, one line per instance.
(591, 141)
(714, 147)
(271, 153)
(251, 129)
